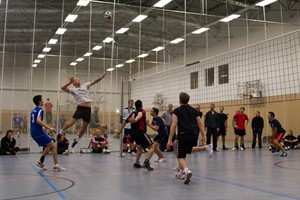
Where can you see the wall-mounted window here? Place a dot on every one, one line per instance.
(223, 74)
(194, 80)
(209, 77)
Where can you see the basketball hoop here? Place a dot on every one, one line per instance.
(247, 96)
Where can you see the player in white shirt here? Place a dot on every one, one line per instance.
(83, 101)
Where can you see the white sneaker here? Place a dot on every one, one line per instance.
(133, 153)
(58, 168)
(180, 175)
(40, 165)
(161, 160)
(242, 149)
(234, 149)
(106, 151)
(176, 169)
(188, 177)
(209, 149)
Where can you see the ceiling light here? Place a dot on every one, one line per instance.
(97, 47)
(60, 31)
(162, 3)
(139, 18)
(230, 17)
(143, 55)
(46, 49)
(87, 54)
(110, 69)
(130, 61)
(79, 59)
(34, 65)
(52, 41)
(200, 30)
(108, 40)
(119, 65)
(83, 2)
(71, 18)
(265, 2)
(158, 49)
(122, 30)
(73, 63)
(176, 40)
(41, 56)
(37, 61)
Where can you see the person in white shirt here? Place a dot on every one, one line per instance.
(83, 101)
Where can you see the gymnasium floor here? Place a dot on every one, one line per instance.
(248, 175)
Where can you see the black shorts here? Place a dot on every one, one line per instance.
(142, 139)
(185, 143)
(222, 132)
(127, 136)
(83, 113)
(160, 138)
(240, 132)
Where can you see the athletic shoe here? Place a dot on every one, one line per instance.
(176, 169)
(58, 168)
(209, 149)
(106, 151)
(188, 177)
(234, 149)
(147, 166)
(137, 165)
(133, 153)
(180, 175)
(161, 160)
(283, 154)
(40, 165)
(66, 152)
(242, 148)
(224, 148)
(74, 143)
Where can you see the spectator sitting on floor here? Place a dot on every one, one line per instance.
(290, 141)
(63, 144)
(8, 143)
(99, 143)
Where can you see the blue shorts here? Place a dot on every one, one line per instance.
(42, 139)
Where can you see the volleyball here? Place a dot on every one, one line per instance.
(108, 14)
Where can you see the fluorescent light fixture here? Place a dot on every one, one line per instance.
(83, 2)
(110, 69)
(265, 2)
(108, 40)
(34, 65)
(230, 17)
(119, 65)
(60, 31)
(79, 59)
(37, 61)
(122, 30)
(73, 63)
(162, 3)
(176, 40)
(97, 47)
(46, 49)
(130, 61)
(158, 49)
(41, 56)
(52, 41)
(71, 18)
(143, 55)
(200, 30)
(87, 54)
(139, 18)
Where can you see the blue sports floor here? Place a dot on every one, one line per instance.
(243, 175)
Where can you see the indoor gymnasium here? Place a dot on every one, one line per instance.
(150, 99)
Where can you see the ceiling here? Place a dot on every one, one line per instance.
(23, 26)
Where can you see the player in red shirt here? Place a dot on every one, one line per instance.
(239, 123)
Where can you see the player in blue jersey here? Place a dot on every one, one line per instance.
(37, 133)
